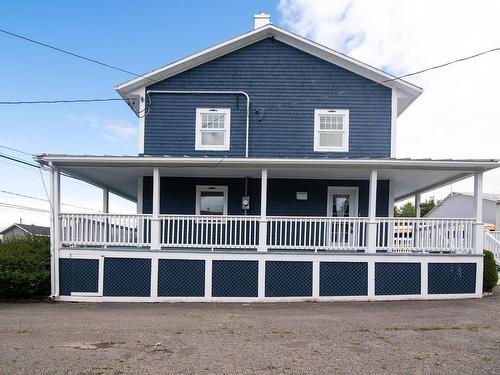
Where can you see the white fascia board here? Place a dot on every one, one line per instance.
(137, 161)
(306, 45)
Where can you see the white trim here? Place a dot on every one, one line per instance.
(140, 194)
(208, 276)
(154, 276)
(353, 192)
(210, 188)
(468, 166)
(315, 258)
(227, 129)
(142, 118)
(424, 278)
(261, 285)
(390, 209)
(263, 212)
(394, 121)
(315, 279)
(345, 131)
(410, 91)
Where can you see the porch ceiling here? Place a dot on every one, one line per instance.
(119, 174)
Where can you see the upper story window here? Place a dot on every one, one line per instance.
(213, 128)
(331, 130)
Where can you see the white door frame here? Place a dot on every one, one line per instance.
(353, 192)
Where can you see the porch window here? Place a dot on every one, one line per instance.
(331, 130)
(211, 200)
(212, 128)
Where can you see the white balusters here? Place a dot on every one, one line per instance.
(316, 233)
(424, 235)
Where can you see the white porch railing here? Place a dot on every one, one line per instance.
(316, 233)
(209, 231)
(283, 232)
(425, 235)
(492, 243)
(105, 229)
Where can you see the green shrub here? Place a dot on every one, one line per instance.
(25, 268)
(490, 273)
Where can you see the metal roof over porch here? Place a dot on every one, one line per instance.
(119, 174)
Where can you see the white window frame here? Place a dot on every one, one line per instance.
(345, 139)
(352, 191)
(227, 129)
(210, 188)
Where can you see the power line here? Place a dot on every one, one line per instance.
(57, 101)
(9, 157)
(21, 207)
(16, 150)
(89, 59)
(45, 200)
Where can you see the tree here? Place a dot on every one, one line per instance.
(408, 209)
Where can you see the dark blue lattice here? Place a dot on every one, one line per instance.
(397, 278)
(343, 279)
(235, 278)
(78, 275)
(181, 278)
(127, 277)
(452, 278)
(288, 279)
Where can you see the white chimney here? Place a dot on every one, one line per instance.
(261, 19)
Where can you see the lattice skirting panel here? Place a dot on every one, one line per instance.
(117, 275)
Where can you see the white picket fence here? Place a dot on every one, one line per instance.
(425, 235)
(283, 232)
(105, 229)
(492, 243)
(209, 231)
(316, 233)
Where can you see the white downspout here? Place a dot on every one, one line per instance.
(213, 92)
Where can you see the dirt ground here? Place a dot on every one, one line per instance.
(412, 337)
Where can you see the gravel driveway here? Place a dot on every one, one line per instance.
(416, 337)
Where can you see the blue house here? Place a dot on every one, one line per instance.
(266, 172)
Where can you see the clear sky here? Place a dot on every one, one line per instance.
(455, 117)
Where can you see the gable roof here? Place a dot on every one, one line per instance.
(406, 92)
(488, 196)
(35, 230)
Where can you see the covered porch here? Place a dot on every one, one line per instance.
(266, 204)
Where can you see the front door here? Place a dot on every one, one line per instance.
(342, 203)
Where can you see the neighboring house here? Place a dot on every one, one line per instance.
(461, 205)
(19, 231)
(266, 172)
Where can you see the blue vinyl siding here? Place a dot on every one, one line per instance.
(285, 86)
(178, 195)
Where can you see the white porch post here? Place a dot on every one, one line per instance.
(155, 220)
(418, 198)
(140, 201)
(55, 208)
(371, 227)
(478, 211)
(105, 201)
(263, 213)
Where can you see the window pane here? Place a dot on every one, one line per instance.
(331, 139)
(212, 138)
(211, 203)
(212, 120)
(331, 122)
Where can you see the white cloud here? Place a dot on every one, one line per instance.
(110, 129)
(456, 116)
(114, 129)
